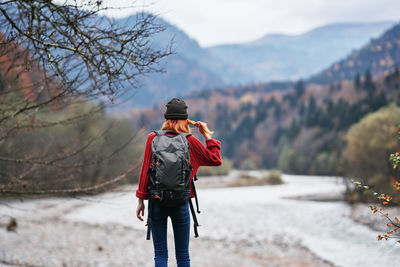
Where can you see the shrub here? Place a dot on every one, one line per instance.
(272, 178)
(369, 144)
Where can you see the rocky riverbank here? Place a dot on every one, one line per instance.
(43, 238)
(301, 222)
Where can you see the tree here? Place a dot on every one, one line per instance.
(83, 52)
(299, 87)
(54, 61)
(313, 113)
(369, 84)
(368, 146)
(393, 223)
(357, 81)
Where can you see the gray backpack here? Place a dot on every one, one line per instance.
(170, 169)
(170, 172)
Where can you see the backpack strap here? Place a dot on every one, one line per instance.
(149, 210)
(195, 194)
(195, 222)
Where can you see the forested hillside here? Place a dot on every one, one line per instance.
(379, 55)
(299, 130)
(295, 126)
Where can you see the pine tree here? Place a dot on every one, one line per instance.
(357, 81)
(396, 72)
(299, 88)
(2, 84)
(369, 84)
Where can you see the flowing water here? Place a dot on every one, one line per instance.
(266, 213)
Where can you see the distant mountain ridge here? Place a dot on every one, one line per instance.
(183, 73)
(379, 55)
(273, 57)
(282, 57)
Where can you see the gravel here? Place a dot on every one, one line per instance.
(43, 237)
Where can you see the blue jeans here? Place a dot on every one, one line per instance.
(180, 217)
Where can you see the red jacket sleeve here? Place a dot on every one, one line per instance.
(206, 156)
(141, 192)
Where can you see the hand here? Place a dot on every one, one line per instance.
(140, 209)
(201, 125)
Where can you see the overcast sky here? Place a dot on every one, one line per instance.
(213, 22)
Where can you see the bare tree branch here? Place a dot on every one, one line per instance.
(57, 63)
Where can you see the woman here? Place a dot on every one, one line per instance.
(176, 120)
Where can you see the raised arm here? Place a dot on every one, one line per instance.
(206, 156)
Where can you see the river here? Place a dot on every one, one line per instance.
(263, 213)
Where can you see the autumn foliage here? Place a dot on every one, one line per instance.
(393, 223)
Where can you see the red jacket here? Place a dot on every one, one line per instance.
(199, 156)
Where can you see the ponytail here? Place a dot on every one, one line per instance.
(203, 128)
(182, 126)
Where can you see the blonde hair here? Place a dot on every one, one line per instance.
(182, 126)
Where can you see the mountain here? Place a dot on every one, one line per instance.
(379, 55)
(273, 57)
(282, 57)
(187, 70)
(191, 50)
(295, 126)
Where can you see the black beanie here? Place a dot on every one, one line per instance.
(176, 109)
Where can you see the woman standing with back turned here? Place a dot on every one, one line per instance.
(177, 121)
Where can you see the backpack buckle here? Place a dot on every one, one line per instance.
(157, 196)
(168, 194)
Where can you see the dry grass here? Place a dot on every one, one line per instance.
(272, 178)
